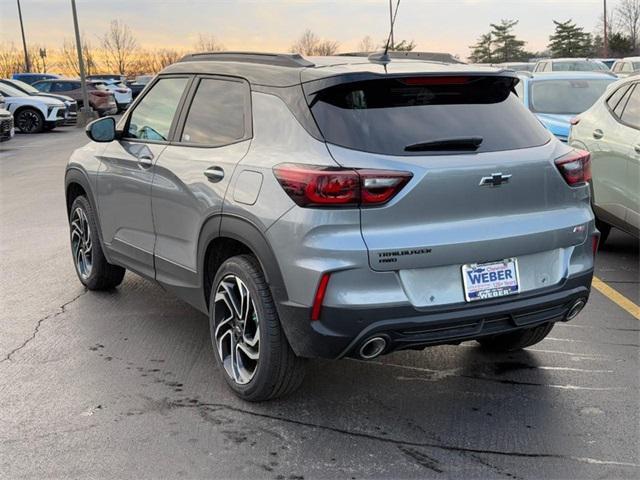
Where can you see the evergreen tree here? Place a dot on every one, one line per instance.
(481, 51)
(569, 40)
(620, 45)
(507, 47)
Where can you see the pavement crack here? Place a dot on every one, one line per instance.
(405, 443)
(61, 309)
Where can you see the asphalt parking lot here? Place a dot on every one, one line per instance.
(123, 385)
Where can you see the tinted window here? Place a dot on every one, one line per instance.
(579, 66)
(61, 86)
(43, 86)
(621, 104)
(386, 116)
(217, 113)
(566, 96)
(631, 114)
(152, 117)
(614, 99)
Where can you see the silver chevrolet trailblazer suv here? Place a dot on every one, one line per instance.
(336, 207)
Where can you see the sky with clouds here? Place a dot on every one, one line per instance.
(273, 25)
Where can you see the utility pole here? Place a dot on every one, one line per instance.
(27, 63)
(86, 113)
(606, 33)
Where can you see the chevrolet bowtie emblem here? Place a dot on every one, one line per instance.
(495, 180)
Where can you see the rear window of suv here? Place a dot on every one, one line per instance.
(387, 116)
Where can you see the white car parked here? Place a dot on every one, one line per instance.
(32, 113)
(626, 66)
(6, 122)
(120, 91)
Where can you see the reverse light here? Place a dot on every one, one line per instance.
(318, 300)
(318, 186)
(575, 167)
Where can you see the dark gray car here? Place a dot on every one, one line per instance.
(333, 206)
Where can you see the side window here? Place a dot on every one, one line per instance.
(548, 67)
(631, 113)
(217, 115)
(60, 87)
(621, 104)
(43, 86)
(614, 99)
(626, 67)
(152, 117)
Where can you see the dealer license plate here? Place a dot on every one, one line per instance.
(483, 281)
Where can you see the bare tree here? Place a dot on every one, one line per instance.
(119, 46)
(153, 61)
(208, 43)
(11, 61)
(306, 44)
(366, 45)
(310, 44)
(69, 57)
(628, 12)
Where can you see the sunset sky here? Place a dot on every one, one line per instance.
(435, 25)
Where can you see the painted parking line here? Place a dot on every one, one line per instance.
(617, 298)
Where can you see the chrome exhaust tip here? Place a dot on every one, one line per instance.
(372, 347)
(575, 309)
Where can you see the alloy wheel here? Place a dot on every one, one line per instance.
(81, 243)
(236, 329)
(28, 121)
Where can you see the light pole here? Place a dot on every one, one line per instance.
(606, 33)
(27, 63)
(86, 113)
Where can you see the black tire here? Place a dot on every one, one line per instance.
(101, 275)
(508, 342)
(605, 230)
(277, 371)
(29, 120)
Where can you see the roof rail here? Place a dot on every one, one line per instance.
(292, 60)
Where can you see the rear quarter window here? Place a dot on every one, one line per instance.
(218, 113)
(386, 116)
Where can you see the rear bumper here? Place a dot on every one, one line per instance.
(340, 331)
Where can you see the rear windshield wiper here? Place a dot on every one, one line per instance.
(457, 143)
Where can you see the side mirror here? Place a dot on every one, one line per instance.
(102, 130)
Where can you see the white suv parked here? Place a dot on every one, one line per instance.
(33, 113)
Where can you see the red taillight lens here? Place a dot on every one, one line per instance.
(319, 298)
(595, 242)
(316, 186)
(575, 167)
(574, 121)
(100, 94)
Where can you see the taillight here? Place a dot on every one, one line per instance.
(121, 90)
(574, 121)
(100, 94)
(575, 167)
(595, 241)
(317, 186)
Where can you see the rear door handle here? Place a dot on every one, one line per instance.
(598, 134)
(145, 160)
(214, 174)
